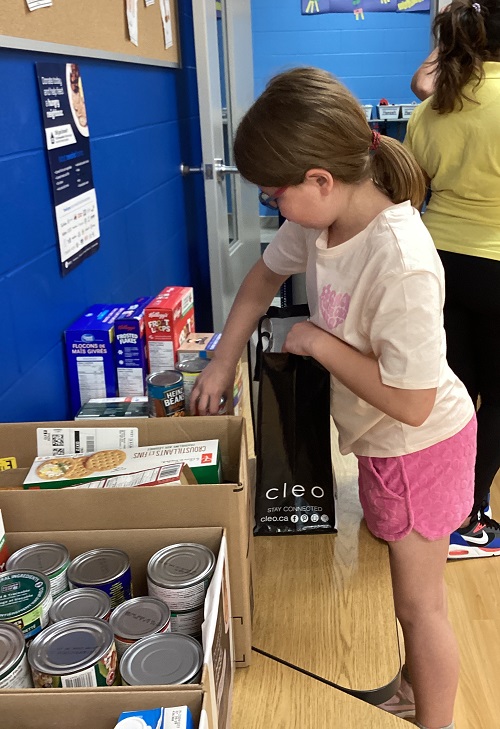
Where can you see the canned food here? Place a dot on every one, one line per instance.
(25, 599)
(165, 394)
(179, 575)
(138, 618)
(74, 653)
(51, 559)
(190, 369)
(82, 602)
(105, 569)
(162, 660)
(14, 668)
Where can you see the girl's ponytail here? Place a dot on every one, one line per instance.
(396, 172)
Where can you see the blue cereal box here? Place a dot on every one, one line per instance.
(178, 717)
(130, 349)
(90, 354)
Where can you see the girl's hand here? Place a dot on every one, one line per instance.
(302, 337)
(214, 385)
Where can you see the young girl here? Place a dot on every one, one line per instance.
(375, 290)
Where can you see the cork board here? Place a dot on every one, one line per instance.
(95, 28)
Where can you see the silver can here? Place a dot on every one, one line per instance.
(138, 618)
(73, 653)
(50, 558)
(190, 369)
(104, 569)
(162, 660)
(179, 575)
(25, 600)
(82, 602)
(14, 668)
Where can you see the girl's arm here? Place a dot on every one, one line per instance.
(252, 301)
(361, 374)
(422, 83)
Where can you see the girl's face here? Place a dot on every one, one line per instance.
(313, 204)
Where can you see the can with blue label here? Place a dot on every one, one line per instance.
(25, 600)
(105, 569)
(166, 394)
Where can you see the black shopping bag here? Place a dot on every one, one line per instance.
(295, 482)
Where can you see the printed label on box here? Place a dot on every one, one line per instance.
(65, 441)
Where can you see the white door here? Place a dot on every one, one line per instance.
(223, 42)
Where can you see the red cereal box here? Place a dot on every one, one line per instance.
(169, 318)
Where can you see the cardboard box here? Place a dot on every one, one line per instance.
(130, 349)
(90, 354)
(4, 552)
(140, 545)
(169, 318)
(228, 504)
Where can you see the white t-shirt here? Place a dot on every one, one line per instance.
(382, 292)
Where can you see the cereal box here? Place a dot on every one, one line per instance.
(90, 354)
(169, 318)
(177, 718)
(198, 345)
(130, 349)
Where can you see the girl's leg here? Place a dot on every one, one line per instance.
(417, 571)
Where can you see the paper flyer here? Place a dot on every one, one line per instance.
(68, 146)
(132, 20)
(37, 4)
(167, 22)
(147, 3)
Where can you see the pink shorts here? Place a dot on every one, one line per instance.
(430, 491)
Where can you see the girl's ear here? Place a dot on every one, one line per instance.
(322, 179)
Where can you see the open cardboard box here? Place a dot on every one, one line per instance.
(99, 708)
(228, 504)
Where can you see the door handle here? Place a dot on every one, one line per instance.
(221, 169)
(206, 170)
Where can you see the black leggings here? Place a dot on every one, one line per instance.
(472, 323)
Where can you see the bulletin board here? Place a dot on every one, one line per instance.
(95, 28)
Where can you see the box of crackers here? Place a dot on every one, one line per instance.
(153, 462)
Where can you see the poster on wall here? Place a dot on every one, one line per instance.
(360, 7)
(68, 147)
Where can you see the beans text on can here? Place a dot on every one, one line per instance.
(179, 575)
(138, 618)
(14, 668)
(105, 569)
(51, 559)
(25, 600)
(74, 653)
(165, 394)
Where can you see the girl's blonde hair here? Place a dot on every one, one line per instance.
(307, 119)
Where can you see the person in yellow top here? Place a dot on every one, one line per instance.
(455, 136)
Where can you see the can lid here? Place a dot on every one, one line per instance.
(69, 646)
(46, 557)
(161, 660)
(21, 592)
(98, 566)
(83, 602)
(181, 565)
(195, 365)
(139, 617)
(168, 378)
(12, 647)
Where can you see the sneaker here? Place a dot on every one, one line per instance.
(402, 704)
(485, 508)
(480, 539)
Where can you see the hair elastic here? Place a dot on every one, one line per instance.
(476, 7)
(375, 141)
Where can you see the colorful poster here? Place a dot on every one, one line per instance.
(360, 7)
(68, 146)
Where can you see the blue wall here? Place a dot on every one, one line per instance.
(375, 57)
(143, 122)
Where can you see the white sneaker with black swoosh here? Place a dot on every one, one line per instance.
(480, 539)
